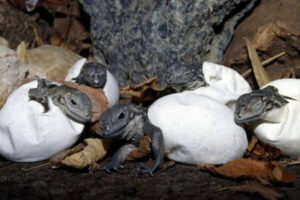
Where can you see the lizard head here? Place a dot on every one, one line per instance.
(121, 120)
(74, 104)
(185, 76)
(92, 74)
(252, 106)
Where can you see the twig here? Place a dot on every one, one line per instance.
(265, 62)
(260, 73)
(35, 167)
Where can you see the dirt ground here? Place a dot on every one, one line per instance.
(178, 182)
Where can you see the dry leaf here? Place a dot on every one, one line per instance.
(264, 37)
(167, 164)
(264, 191)
(260, 73)
(37, 39)
(94, 150)
(258, 151)
(55, 38)
(57, 158)
(265, 62)
(144, 92)
(248, 168)
(142, 150)
(22, 52)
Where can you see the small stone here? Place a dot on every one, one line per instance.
(50, 62)
(4, 42)
(12, 72)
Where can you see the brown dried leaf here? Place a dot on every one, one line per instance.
(167, 164)
(65, 10)
(289, 75)
(264, 191)
(143, 92)
(252, 144)
(248, 168)
(22, 52)
(57, 158)
(55, 38)
(258, 151)
(264, 37)
(76, 31)
(260, 73)
(94, 150)
(142, 150)
(37, 38)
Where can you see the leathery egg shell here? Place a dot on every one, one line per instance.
(197, 129)
(28, 133)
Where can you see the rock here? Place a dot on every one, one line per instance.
(4, 42)
(197, 129)
(138, 39)
(50, 62)
(111, 88)
(28, 134)
(12, 72)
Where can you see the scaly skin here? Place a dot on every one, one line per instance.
(74, 104)
(251, 106)
(92, 74)
(129, 123)
(185, 76)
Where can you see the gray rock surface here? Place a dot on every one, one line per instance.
(12, 72)
(139, 39)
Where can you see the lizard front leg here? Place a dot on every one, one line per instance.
(118, 158)
(157, 147)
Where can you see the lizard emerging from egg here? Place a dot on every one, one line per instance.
(72, 102)
(129, 123)
(273, 113)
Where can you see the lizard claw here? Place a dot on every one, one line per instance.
(143, 169)
(111, 166)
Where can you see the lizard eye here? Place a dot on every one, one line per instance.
(60, 99)
(73, 102)
(121, 115)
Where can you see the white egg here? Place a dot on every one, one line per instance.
(27, 133)
(111, 88)
(197, 129)
(225, 84)
(280, 127)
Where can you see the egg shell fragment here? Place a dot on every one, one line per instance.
(111, 88)
(284, 132)
(197, 129)
(28, 134)
(224, 84)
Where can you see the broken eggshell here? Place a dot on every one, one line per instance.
(28, 133)
(111, 88)
(280, 127)
(197, 129)
(224, 84)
